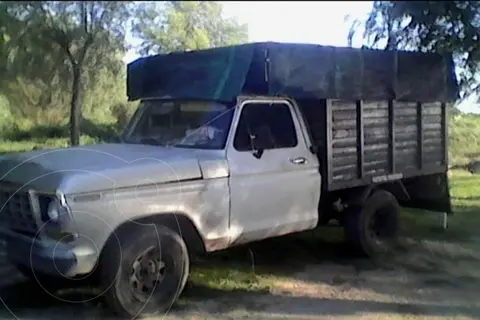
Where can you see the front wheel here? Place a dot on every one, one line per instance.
(143, 270)
(373, 229)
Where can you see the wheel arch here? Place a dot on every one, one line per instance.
(358, 196)
(178, 222)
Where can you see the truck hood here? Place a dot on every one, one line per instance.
(99, 167)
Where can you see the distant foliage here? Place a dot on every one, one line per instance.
(464, 133)
(122, 112)
(185, 25)
(5, 113)
(61, 61)
(52, 50)
(439, 26)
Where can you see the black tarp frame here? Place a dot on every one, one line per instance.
(300, 71)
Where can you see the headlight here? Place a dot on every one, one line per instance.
(57, 209)
(53, 210)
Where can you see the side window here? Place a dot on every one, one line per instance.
(265, 126)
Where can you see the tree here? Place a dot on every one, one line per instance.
(29, 81)
(185, 25)
(67, 37)
(431, 26)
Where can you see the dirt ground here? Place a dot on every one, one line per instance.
(425, 280)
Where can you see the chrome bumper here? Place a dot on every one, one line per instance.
(48, 256)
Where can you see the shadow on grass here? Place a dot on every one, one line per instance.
(441, 257)
(263, 304)
(27, 300)
(230, 284)
(301, 306)
(286, 254)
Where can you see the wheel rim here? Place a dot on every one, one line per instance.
(380, 228)
(147, 272)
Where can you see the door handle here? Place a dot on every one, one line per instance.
(299, 160)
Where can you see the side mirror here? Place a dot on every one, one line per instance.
(257, 153)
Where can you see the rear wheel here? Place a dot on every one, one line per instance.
(148, 274)
(373, 229)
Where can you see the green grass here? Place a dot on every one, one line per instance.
(428, 247)
(220, 277)
(465, 195)
(17, 139)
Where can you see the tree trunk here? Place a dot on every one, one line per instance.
(76, 105)
(391, 37)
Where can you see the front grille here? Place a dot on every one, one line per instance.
(16, 210)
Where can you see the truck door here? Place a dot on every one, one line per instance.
(274, 177)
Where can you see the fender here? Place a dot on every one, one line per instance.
(178, 222)
(358, 196)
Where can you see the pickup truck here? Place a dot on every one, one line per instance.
(229, 146)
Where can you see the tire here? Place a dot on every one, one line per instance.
(119, 275)
(372, 230)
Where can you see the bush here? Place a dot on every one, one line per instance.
(464, 138)
(41, 133)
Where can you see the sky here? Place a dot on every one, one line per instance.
(316, 22)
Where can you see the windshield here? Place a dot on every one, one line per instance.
(186, 124)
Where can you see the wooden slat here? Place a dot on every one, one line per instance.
(391, 140)
(360, 139)
(419, 135)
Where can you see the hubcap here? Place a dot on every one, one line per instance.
(147, 271)
(379, 228)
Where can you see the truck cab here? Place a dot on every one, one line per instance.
(267, 154)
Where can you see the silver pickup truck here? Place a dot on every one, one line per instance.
(193, 176)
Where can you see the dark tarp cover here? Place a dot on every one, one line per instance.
(294, 70)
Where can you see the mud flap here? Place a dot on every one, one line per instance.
(429, 192)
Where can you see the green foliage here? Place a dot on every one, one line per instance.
(43, 42)
(30, 78)
(464, 144)
(185, 25)
(103, 93)
(16, 139)
(53, 50)
(439, 26)
(5, 114)
(9, 146)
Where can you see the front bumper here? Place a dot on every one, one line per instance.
(48, 256)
